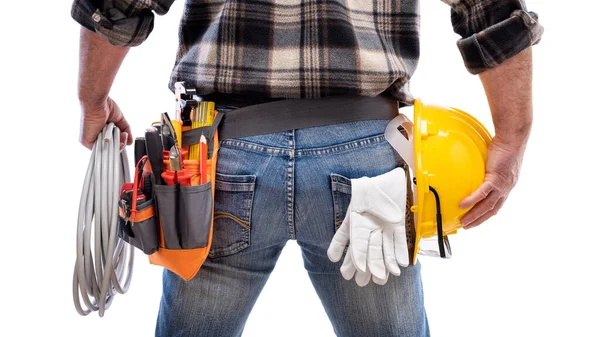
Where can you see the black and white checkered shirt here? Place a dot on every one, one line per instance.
(311, 48)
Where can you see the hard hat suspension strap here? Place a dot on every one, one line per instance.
(443, 242)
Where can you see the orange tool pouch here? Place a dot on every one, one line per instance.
(186, 213)
(178, 219)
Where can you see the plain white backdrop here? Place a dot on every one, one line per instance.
(529, 271)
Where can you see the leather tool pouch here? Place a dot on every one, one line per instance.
(185, 213)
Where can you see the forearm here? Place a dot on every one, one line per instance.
(508, 88)
(99, 62)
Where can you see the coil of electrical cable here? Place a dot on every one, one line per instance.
(103, 268)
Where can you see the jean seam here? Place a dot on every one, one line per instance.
(249, 232)
(343, 147)
(337, 180)
(290, 185)
(255, 147)
(317, 151)
(245, 224)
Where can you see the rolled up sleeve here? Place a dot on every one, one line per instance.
(492, 31)
(121, 22)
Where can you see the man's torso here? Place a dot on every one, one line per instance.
(299, 49)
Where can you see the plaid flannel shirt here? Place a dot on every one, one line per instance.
(311, 48)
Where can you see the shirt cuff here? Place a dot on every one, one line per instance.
(114, 26)
(499, 42)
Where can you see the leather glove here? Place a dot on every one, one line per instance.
(374, 228)
(377, 231)
(348, 270)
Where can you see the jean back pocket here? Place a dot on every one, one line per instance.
(234, 196)
(341, 189)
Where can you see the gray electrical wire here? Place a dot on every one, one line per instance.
(100, 274)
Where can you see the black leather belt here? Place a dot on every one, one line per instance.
(286, 114)
(226, 102)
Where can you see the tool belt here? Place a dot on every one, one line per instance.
(173, 223)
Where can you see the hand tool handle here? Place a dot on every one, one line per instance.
(184, 178)
(170, 177)
(154, 151)
(167, 132)
(183, 152)
(139, 149)
(193, 167)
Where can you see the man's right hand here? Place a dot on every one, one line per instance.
(94, 116)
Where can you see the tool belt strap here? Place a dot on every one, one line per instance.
(288, 114)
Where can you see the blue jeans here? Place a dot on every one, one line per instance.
(292, 185)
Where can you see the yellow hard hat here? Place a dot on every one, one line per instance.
(446, 150)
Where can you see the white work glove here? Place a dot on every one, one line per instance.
(348, 270)
(376, 232)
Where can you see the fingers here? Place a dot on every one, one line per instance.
(401, 247)
(339, 242)
(91, 126)
(116, 116)
(481, 193)
(123, 140)
(348, 270)
(486, 206)
(362, 278)
(502, 171)
(381, 281)
(94, 118)
(389, 253)
(486, 216)
(125, 131)
(481, 208)
(360, 245)
(375, 255)
(89, 145)
(84, 138)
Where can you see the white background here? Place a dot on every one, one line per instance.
(530, 271)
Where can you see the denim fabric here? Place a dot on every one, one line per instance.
(292, 185)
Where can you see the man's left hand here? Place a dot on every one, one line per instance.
(502, 172)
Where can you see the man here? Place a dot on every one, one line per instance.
(277, 186)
